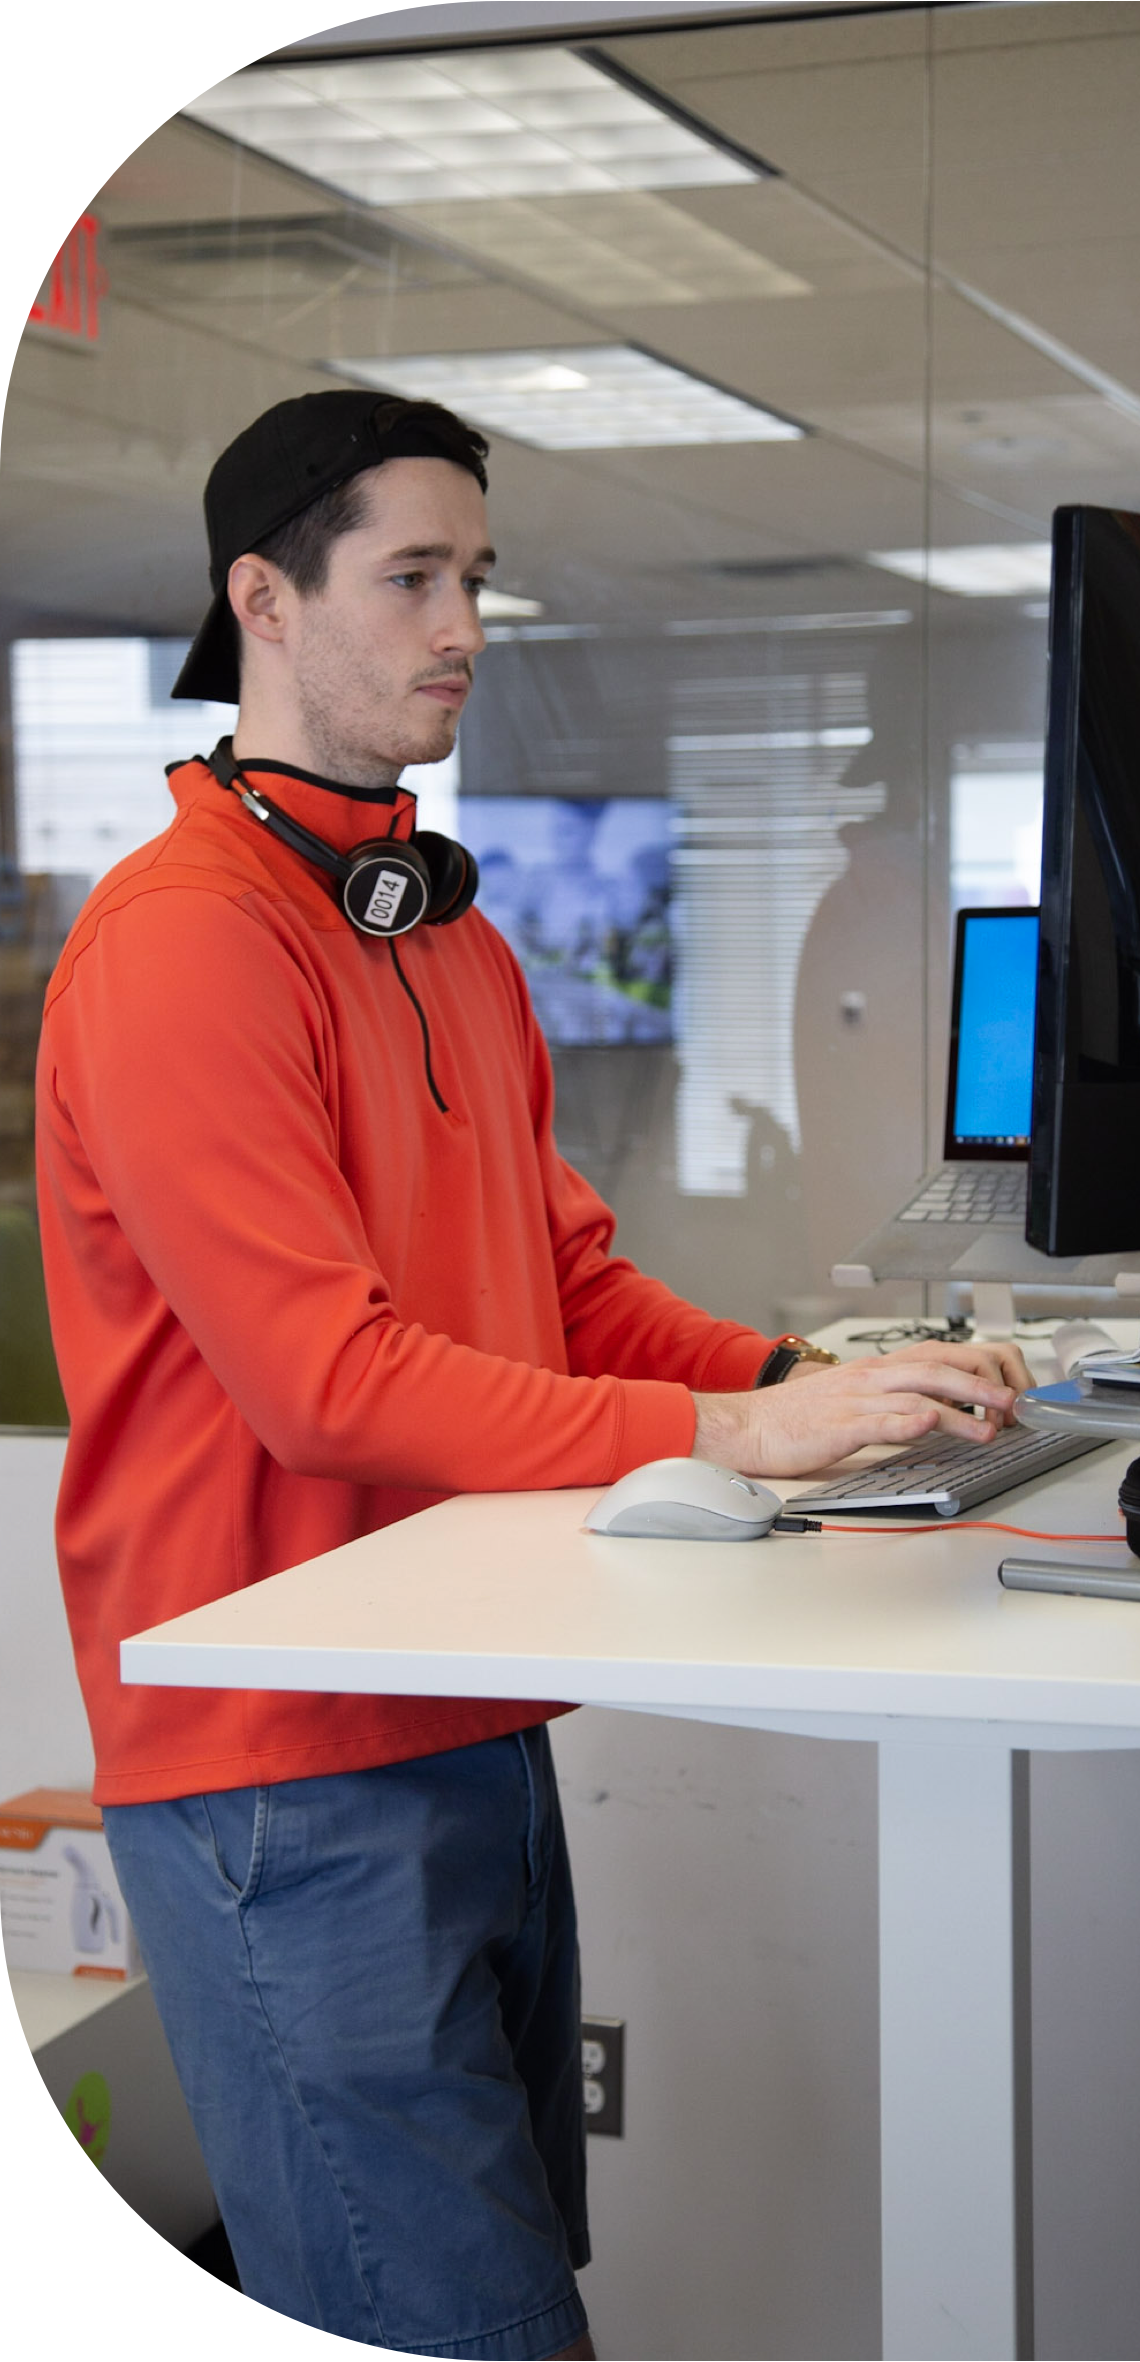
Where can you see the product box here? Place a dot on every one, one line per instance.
(60, 1906)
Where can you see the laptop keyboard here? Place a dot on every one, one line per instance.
(972, 1193)
(945, 1474)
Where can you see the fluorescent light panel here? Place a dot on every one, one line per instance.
(464, 125)
(575, 398)
(983, 570)
(504, 603)
(768, 741)
(853, 619)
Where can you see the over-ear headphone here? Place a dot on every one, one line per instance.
(1129, 1504)
(386, 885)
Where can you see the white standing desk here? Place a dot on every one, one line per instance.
(907, 1641)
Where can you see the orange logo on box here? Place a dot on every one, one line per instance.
(22, 1834)
(28, 1816)
(68, 302)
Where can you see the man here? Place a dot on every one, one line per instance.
(314, 1262)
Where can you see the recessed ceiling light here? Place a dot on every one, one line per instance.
(983, 570)
(575, 397)
(464, 125)
(504, 603)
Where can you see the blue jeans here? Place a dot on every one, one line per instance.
(369, 1984)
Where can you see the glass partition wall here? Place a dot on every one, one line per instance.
(787, 334)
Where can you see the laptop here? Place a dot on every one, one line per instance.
(977, 1193)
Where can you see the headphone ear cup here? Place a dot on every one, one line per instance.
(454, 876)
(1129, 1502)
(387, 890)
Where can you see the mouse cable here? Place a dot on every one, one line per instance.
(944, 1525)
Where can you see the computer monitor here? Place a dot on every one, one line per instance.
(1084, 1157)
(989, 1082)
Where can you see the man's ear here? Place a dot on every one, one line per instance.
(258, 595)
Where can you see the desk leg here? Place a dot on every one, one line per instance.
(954, 2031)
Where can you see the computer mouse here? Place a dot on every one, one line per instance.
(686, 1501)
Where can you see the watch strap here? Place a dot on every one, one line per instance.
(786, 1352)
(781, 1359)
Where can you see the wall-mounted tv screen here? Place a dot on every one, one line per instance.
(579, 885)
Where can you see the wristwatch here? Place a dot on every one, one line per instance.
(786, 1352)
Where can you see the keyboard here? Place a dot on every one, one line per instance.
(944, 1474)
(972, 1193)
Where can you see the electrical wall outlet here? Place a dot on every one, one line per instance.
(603, 2074)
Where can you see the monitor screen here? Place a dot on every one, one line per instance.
(991, 1041)
(579, 885)
(1084, 1160)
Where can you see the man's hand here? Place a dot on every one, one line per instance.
(819, 1415)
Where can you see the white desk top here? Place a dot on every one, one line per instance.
(504, 1595)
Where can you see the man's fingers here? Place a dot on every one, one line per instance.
(1005, 1365)
(907, 1421)
(1001, 1360)
(906, 1425)
(974, 1430)
(947, 1380)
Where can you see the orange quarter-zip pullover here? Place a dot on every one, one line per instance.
(313, 1262)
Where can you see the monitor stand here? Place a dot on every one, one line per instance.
(994, 1313)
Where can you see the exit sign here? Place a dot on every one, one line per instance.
(68, 302)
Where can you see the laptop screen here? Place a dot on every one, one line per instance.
(990, 1082)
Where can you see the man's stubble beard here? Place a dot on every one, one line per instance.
(346, 749)
(338, 751)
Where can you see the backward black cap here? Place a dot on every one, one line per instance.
(288, 458)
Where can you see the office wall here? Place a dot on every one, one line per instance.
(954, 199)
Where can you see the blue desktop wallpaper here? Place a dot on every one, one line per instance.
(995, 1030)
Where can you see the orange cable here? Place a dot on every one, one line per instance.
(967, 1525)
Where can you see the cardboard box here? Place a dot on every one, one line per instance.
(60, 1905)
